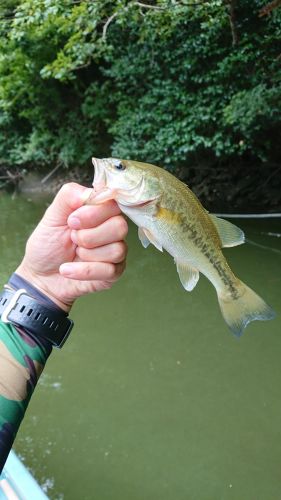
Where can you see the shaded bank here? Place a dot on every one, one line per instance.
(219, 188)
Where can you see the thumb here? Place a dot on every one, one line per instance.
(70, 197)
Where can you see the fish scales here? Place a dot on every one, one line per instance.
(171, 217)
(195, 225)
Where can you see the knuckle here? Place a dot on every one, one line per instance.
(80, 252)
(110, 271)
(119, 251)
(68, 188)
(122, 267)
(121, 227)
(84, 239)
(106, 285)
(119, 269)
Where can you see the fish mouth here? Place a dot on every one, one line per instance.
(129, 197)
(99, 181)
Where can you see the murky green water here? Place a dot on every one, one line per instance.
(152, 397)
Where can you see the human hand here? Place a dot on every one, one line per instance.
(75, 249)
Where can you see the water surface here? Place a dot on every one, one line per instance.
(152, 398)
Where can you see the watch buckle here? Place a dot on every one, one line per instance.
(11, 305)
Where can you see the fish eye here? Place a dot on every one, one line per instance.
(119, 166)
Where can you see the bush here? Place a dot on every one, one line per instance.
(173, 84)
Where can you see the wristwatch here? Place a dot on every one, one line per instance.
(20, 309)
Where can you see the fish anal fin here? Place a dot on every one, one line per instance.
(230, 235)
(143, 238)
(188, 275)
(147, 237)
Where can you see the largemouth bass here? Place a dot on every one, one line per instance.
(170, 216)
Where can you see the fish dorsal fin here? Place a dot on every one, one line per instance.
(230, 235)
(188, 275)
(147, 237)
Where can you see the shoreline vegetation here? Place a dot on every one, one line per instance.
(192, 86)
(220, 189)
(44, 180)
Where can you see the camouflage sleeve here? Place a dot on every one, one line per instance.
(22, 360)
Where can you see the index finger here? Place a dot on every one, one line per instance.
(89, 216)
(69, 198)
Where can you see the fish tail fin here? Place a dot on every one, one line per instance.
(248, 306)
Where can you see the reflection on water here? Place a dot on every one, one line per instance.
(264, 247)
(152, 397)
(269, 233)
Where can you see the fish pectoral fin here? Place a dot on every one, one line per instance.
(188, 275)
(149, 238)
(230, 235)
(143, 238)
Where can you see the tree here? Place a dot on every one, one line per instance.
(192, 85)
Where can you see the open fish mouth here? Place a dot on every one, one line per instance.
(131, 196)
(99, 181)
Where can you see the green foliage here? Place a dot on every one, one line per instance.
(191, 95)
(255, 115)
(162, 82)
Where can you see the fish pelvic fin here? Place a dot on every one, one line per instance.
(143, 238)
(147, 237)
(239, 312)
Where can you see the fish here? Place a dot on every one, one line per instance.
(170, 217)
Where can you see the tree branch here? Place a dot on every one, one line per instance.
(138, 4)
(265, 11)
(147, 6)
(108, 22)
(232, 21)
(142, 5)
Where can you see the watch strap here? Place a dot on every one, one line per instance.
(19, 308)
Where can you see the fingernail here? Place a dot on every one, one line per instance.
(74, 222)
(73, 236)
(66, 269)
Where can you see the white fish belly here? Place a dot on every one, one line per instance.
(170, 240)
(178, 246)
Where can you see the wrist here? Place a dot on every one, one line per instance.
(33, 314)
(39, 282)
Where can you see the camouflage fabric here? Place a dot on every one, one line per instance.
(22, 360)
